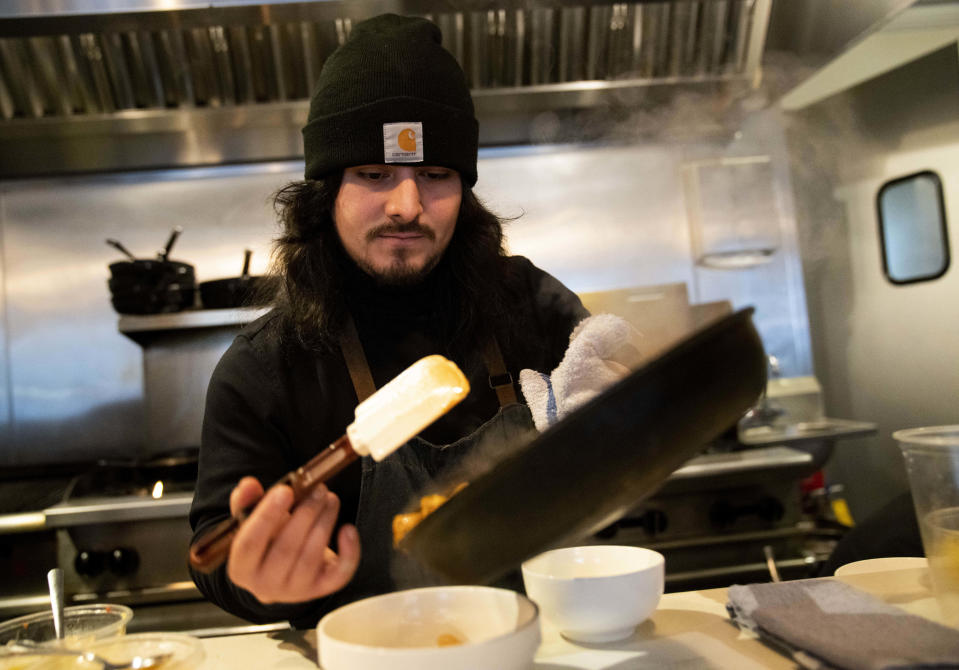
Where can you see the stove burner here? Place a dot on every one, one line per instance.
(177, 471)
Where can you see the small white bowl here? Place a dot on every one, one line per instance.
(488, 628)
(596, 593)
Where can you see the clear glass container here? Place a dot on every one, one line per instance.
(83, 624)
(172, 651)
(932, 463)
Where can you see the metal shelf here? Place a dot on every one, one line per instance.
(814, 430)
(748, 460)
(143, 328)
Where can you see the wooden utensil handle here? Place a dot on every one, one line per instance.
(211, 550)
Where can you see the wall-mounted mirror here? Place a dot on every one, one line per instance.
(912, 228)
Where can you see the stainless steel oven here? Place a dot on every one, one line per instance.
(729, 516)
(120, 533)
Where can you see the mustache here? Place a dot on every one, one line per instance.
(409, 227)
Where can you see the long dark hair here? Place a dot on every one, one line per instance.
(311, 263)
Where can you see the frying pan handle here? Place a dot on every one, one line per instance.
(122, 249)
(246, 262)
(165, 253)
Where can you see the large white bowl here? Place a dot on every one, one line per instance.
(499, 629)
(596, 593)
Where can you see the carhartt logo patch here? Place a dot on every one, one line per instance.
(403, 142)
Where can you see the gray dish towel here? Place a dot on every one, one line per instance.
(824, 623)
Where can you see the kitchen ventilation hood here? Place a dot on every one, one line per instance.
(131, 84)
(137, 84)
(925, 27)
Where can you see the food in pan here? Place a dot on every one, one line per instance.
(404, 523)
(448, 640)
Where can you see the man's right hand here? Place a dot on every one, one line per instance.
(282, 555)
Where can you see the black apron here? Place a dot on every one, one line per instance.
(391, 486)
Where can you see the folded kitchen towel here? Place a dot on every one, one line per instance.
(824, 623)
(603, 349)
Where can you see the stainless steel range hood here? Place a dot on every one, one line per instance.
(137, 84)
(127, 84)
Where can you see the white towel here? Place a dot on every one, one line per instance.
(603, 349)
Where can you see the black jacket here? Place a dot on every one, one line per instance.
(270, 407)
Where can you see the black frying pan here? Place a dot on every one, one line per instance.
(600, 461)
(243, 291)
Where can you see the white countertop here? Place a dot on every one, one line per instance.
(689, 630)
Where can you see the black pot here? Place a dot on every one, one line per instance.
(150, 270)
(154, 300)
(243, 291)
(151, 285)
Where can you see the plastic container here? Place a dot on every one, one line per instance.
(932, 463)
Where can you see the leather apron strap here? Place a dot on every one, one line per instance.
(500, 380)
(356, 360)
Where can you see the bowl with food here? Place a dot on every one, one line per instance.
(432, 628)
(82, 624)
(159, 651)
(596, 593)
(45, 660)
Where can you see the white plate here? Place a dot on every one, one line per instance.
(881, 565)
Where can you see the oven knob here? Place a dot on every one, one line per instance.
(655, 521)
(89, 563)
(770, 509)
(722, 514)
(124, 561)
(609, 532)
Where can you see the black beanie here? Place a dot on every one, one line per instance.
(391, 94)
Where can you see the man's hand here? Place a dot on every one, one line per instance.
(282, 555)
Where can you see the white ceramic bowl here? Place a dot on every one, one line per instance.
(494, 628)
(596, 593)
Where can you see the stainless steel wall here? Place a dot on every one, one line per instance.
(883, 353)
(75, 383)
(597, 217)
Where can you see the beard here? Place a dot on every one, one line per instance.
(401, 271)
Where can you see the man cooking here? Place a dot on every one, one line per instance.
(385, 256)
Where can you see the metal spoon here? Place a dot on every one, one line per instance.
(55, 583)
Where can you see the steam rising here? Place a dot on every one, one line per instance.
(712, 118)
(495, 446)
